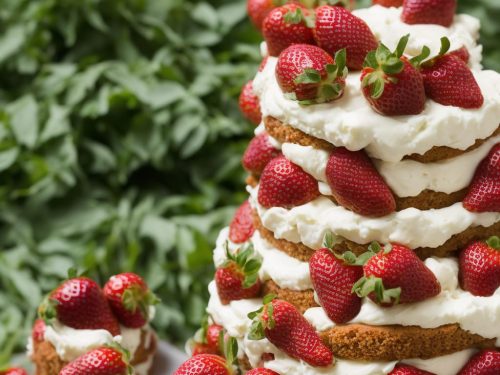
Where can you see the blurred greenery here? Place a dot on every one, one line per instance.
(120, 144)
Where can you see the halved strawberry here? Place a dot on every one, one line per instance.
(396, 275)
(259, 153)
(486, 362)
(439, 12)
(241, 228)
(480, 267)
(101, 361)
(408, 370)
(249, 104)
(484, 191)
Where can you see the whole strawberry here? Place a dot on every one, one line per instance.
(484, 191)
(238, 277)
(310, 75)
(207, 339)
(101, 361)
(284, 184)
(391, 84)
(388, 3)
(408, 370)
(261, 371)
(448, 80)
(396, 275)
(249, 104)
(14, 371)
(285, 26)
(241, 228)
(333, 277)
(79, 303)
(130, 299)
(204, 364)
(284, 326)
(259, 9)
(357, 185)
(480, 267)
(38, 331)
(258, 154)
(486, 362)
(439, 12)
(337, 28)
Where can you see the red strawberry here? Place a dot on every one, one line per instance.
(238, 277)
(357, 185)
(101, 361)
(462, 53)
(439, 12)
(337, 28)
(284, 326)
(480, 267)
(80, 303)
(408, 370)
(258, 154)
(284, 184)
(263, 63)
(388, 3)
(249, 104)
(285, 26)
(259, 9)
(14, 371)
(130, 299)
(333, 277)
(213, 333)
(262, 371)
(241, 228)
(486, 362)
(484, 191)
(38, 331)
(391, 84)
(309, 74)
(204, 364)
(396, 275)
(209, 339)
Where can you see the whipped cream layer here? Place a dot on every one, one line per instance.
(387, 26)
(406, 178)
(412, 227)
(285, 271)
(352, 123)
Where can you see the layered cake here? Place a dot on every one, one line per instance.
(78, 318)
(368, 244)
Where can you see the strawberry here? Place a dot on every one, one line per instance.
(337, 28)
(285, 26)
(396, 275)
(284, 326)
(79, 303)
(484, 191)
(261, 371)
(249, 104)
(333, 277)
(448, 80)
(14, 371)
(38, 331)
(130, 299)
(238, 277)
(259, 152)
(206, 339)
(259, 9)
(408, 370)
(439, 12)
(462, 53)
(213, 335)
(388, 3)
(310, 75)
(101, 361)
(357, 185)
(480, 267)
(204, 364)
(391, 84)
(241, 228)
(284, 184)
(486, 362)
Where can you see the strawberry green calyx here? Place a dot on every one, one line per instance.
(259, 323)
(422, 61)
(247, 262)
(126, 357)
(229, 347)
(368, 285)
(294, 17)
(494, 242)
(135, 298)
(348, 257)
(47, 311)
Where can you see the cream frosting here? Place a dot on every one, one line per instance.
(412, 227)
(406, 178)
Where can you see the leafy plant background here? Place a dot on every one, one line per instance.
(120, 145)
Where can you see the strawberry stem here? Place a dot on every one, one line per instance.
(494, 242)
(371, 284)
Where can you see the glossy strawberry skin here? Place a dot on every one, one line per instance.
(261, 371)
(241, 228)
(388, 3)
(203, 364)
(284, 184)
(480, 269)
(102, 361)
(14, 371)
(484, 191)
(357, 185)
(249, 104)
(258, 11)
(439, 12)
(258, 154)
(213, 333)
(294, 335)
(449, 81)
(402, 268)
(229, 281)
(38, 331)
(486, 362)
(462, 53)
(405, 97)
(337, 28)
(333, 280)
(408, 370)
(81, 304)
(280, 34)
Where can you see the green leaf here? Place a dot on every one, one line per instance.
(24, 120)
